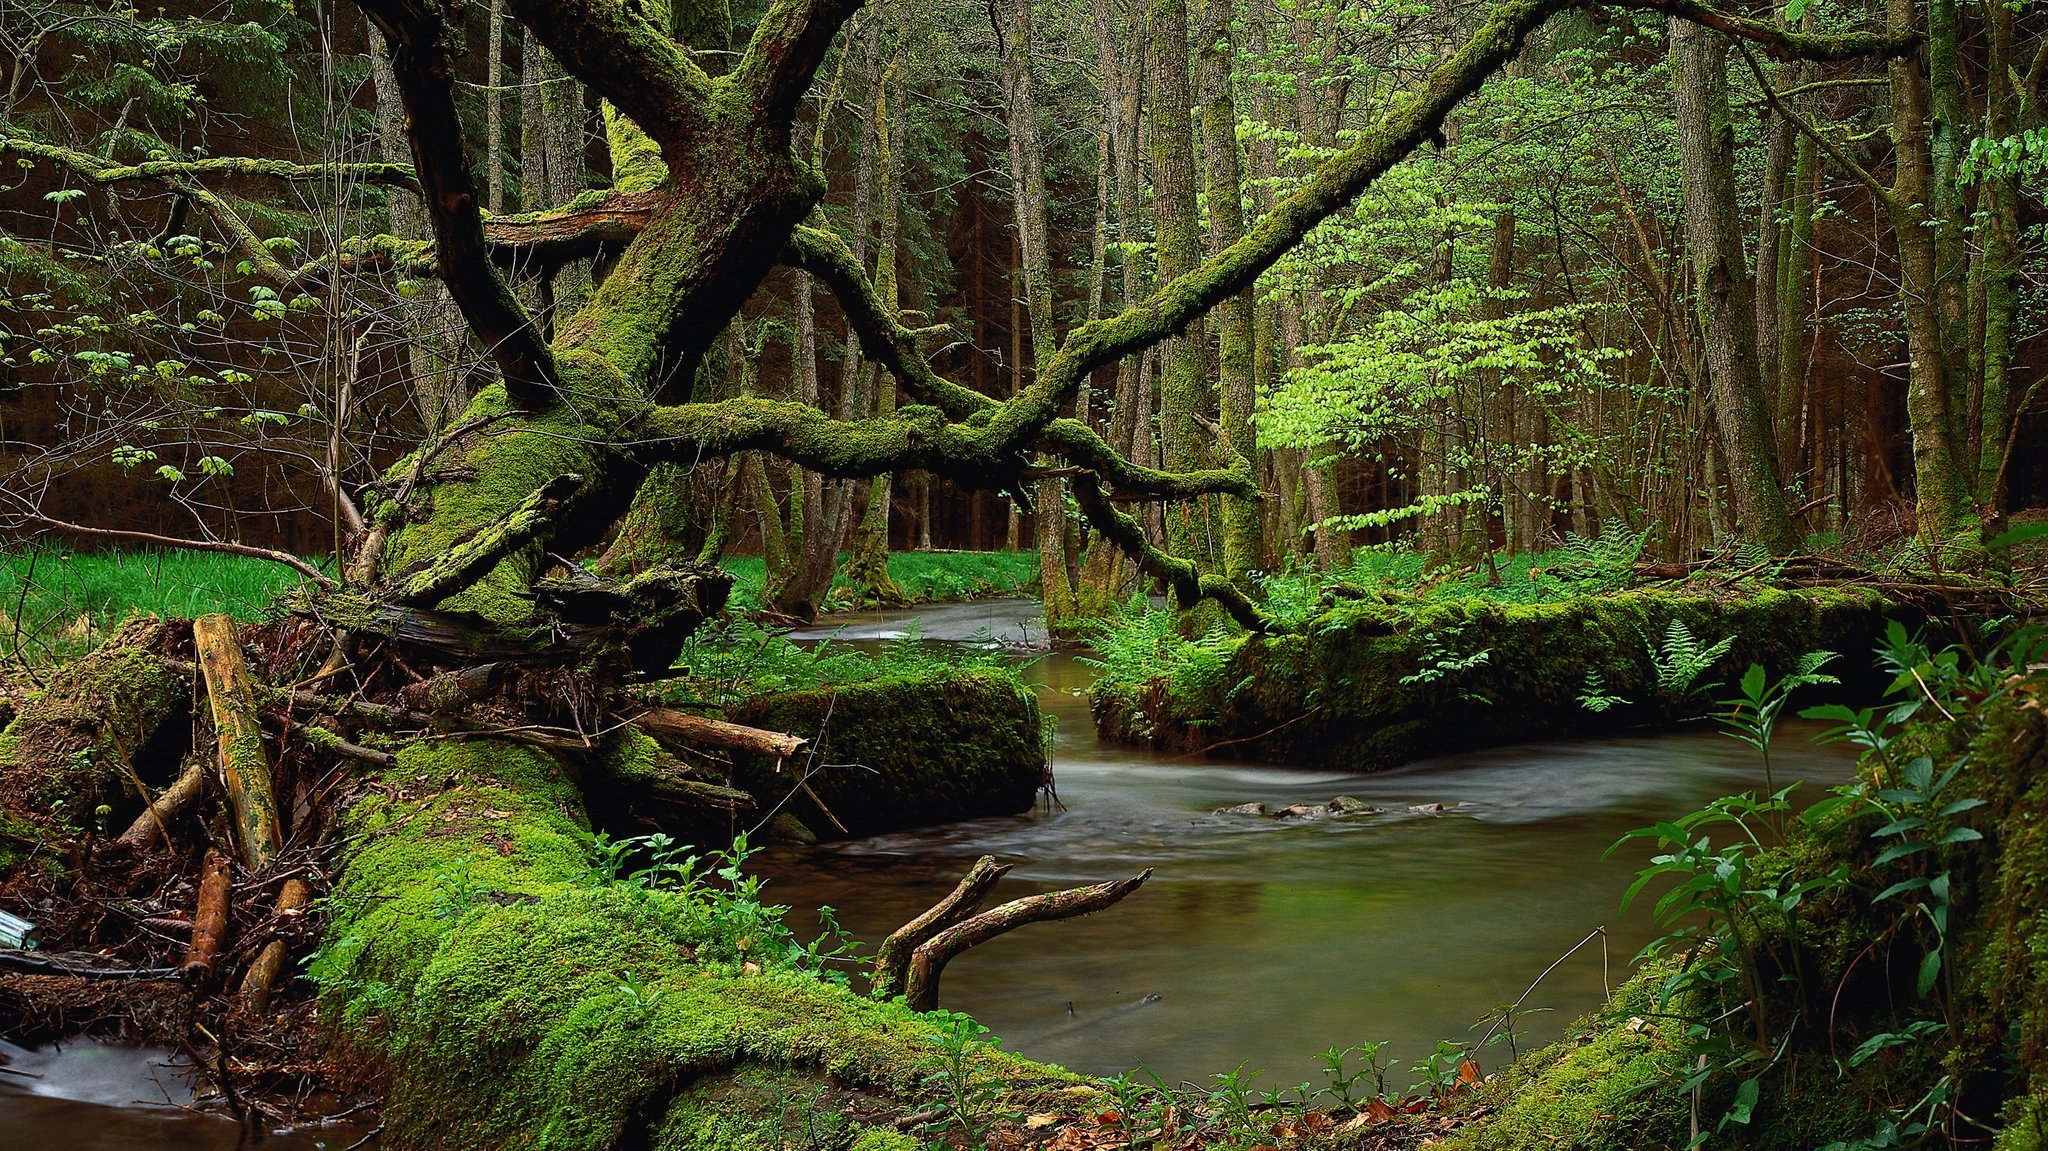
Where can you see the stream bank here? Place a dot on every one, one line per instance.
(1381, 684)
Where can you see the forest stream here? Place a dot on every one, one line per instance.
(1259, 940)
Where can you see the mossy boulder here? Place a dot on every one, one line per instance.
(1396, 682)
(506, 994)
(904, 751)
(106, 725)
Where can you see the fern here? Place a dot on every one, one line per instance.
(1605, 562)
(1681, 659)
(1594, 697)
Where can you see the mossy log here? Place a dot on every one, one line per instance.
(238, 740)
(1399, 682)
(512, 999)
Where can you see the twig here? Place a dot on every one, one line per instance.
(272, 554)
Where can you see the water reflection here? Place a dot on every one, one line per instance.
(1266, 940)
(88, 1096)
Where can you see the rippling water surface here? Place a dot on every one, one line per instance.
(1266, 941)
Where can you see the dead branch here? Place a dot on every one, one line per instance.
(964, 900)
(209, 919)
(262, 974)
(155, 821)
(921, 989)
(273, 555)
(697, 729)
(238, 737)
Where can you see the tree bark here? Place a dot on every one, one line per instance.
(1706, 146)
(1243, 547)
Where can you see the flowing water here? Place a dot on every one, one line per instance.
(1264, 941)
(1257, 941)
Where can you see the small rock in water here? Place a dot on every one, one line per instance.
(787, 828)
(1306, 811)
(1352, 805)
(1244, 809)
(1429, 809)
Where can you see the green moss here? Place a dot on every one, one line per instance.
(1392, 682)
(512, 1000)
(501, 469)
(942, 745)
(1608, 1086)
(86, 741)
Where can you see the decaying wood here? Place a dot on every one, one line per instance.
(209, 918)
(921, 988)
(238, 737)
(964, 900)
(262, 974)
(152, 826)
(664, 722)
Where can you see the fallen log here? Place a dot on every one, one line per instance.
(238, 738)
(704, 732)
(928, 961)
(262, 974)
(153, 825)
(891, 959)
(209, 919)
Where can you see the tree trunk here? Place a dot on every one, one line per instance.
(1186, 397)
(1706, 147)
(1243, 549)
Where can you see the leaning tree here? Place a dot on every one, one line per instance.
(510, 1024)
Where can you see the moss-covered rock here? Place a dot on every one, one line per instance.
(938, 746)
(1396, 682)
(107, 725)
(509, 996)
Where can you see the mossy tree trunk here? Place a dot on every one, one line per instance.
(1727, 311)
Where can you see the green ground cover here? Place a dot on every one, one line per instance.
(57, 601)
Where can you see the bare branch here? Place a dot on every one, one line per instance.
(964, 900)
(273, 555)
(418, 38)
(921, 989)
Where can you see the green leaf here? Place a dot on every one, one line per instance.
(1930, 970)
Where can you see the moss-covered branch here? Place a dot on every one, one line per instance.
(788, 45)
(1189, 584)
(629, 60)
(468, 562)
(97, 170)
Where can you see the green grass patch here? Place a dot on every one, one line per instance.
(926, 577)
(56, 602)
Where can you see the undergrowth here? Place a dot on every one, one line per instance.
(731, 660)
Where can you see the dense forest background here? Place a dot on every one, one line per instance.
(1648, 277)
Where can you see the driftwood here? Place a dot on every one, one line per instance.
(262, 974)
(951, 927)
(155, 821)
(209, 918)
(238, 734)
(891, 960)
(696, 729)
